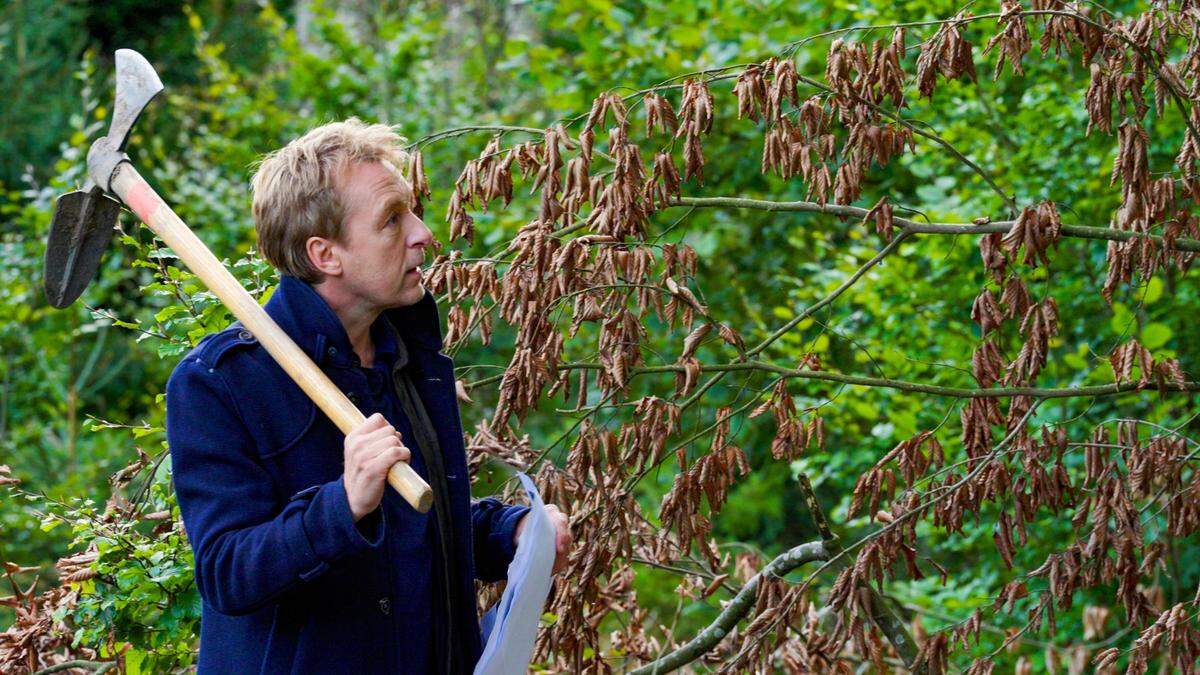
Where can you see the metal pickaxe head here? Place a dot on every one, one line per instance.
(84, 220)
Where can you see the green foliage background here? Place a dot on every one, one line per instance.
(81, 388)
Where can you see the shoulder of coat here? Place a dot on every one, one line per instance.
(216, 346)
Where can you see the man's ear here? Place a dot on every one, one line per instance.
(324, 256)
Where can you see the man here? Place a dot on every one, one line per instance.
(305, 560)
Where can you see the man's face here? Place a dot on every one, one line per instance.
(383, 242)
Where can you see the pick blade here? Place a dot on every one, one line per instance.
(137, 84)
(80, 231)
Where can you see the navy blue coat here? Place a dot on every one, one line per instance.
(289, 582)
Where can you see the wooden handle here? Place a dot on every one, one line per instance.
(141, 198)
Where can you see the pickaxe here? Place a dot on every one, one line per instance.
(83, 225)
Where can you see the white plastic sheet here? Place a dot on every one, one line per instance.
(510, 627)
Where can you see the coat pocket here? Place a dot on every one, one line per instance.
(279, 655)
(300, 445)
(284, 425)
(343, 612)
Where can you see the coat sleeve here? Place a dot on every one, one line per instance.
(493, 525)
(250, 545)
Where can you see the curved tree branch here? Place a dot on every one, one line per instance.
(94, 666)
(913, 227)
(886, 383)
(882, 613)
(737, 609)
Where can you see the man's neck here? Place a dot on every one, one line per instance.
(356, 318)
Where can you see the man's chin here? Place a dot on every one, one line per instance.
(411, 296)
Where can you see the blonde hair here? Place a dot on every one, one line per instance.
(297, 190)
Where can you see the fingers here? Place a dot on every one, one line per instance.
(562, 536)
(390, 446)
(375, 446)
(380, 434)
(371, 431)
(375, 421)
(375, 424)
(562, 539)
(388, 454)
(372, 434)
(370, 450)
(396, 453)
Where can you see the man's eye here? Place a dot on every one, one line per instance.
(393, 219)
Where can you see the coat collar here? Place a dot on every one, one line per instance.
(309, 320)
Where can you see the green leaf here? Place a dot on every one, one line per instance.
(168, 312)
(1121, 319)
(1155, 335)
(1154, 290)
(133, 661)
(139, 432)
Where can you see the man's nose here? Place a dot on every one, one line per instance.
(422, 236)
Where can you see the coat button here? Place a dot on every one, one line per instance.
(385, 606)
(245, 335)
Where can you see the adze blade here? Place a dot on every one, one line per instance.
(83, 225)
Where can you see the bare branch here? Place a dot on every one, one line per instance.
(741, 604)
(888, 383)
(913, 227)
(94, 666)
